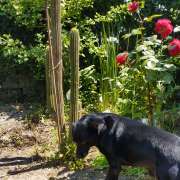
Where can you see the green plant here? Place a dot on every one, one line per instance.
(35, 114)
(68, 157)
(74, 61)
(88, 89)
(16, 140)
(108, 76)
(141, 82)
(169, 119)
(25, 13)
(137, 172)
(100, 162)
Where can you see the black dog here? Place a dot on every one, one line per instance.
(128, 142)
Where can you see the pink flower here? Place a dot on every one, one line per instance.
(133, 6)
(163, 27)
(121, 58)
(174, 47)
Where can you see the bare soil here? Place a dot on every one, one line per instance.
(23, 151)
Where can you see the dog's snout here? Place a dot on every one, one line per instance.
(82, 150)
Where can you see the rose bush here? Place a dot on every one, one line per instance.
(164, 27)
(174, 47)
(149, 71)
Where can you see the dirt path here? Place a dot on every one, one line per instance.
(20, 147)
(18, 159)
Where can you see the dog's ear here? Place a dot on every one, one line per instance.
(96, 123)
(109, 121)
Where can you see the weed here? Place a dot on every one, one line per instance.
(100, 162)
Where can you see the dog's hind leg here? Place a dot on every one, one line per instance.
(166, 172)
(113, 173)
(162, 173)
(174, 172)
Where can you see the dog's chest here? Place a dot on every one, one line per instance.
(106, 146)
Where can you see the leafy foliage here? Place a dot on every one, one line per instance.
(14, 55)
(25, 13)
(88, 89)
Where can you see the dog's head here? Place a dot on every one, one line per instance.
(87, 131)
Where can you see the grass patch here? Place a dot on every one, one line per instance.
(133, 171)
(100, 162)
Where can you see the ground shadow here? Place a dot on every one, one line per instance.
(13, 161)
(11, 112)
(35, 167)
(34, 163)
(85, 174)
(17, 115)
(93, 174)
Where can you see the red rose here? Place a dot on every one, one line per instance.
(133, 6)
(174, 47)
(163, 27)
(121, 58)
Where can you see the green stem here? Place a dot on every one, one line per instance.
(141, 25)
(150, 105)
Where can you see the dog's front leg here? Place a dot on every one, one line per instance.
(113, 173)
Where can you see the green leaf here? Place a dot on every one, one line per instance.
(148, 43)
(141, 48)
(151, 75)
(177, 29)
(123, 101)
(126, 36)
(167, 78)
(170, 67)
(151, 65)
(136, 31)
(150, 18)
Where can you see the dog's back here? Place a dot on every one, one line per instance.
(163, 142)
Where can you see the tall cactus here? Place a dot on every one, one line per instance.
(53, 11)
(74, 61)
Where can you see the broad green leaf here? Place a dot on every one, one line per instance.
(170, 67)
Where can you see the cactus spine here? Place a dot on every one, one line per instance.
(74, 61)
